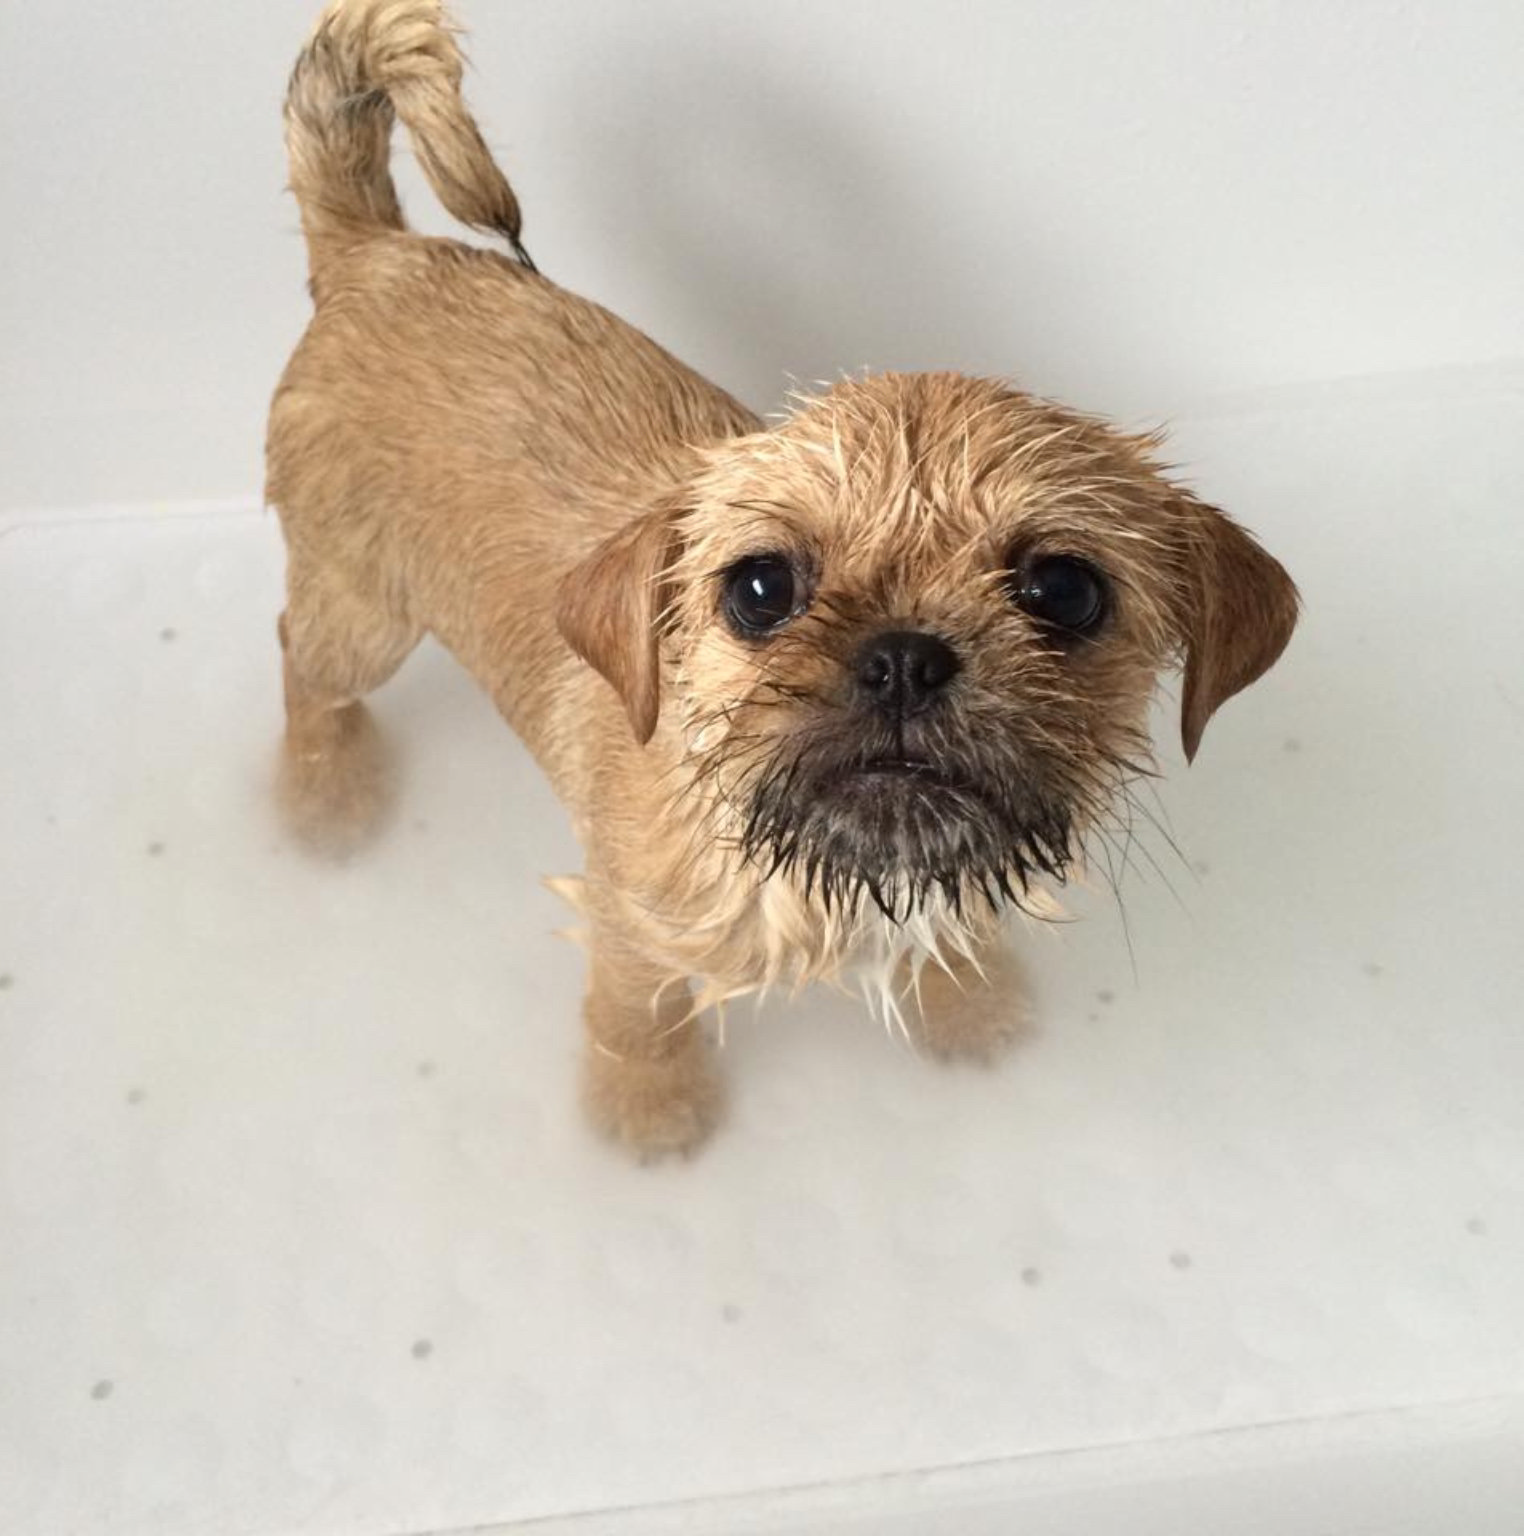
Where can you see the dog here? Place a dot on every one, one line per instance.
(824, 699)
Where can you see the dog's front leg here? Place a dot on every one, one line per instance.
(970, 1007)
(648, 1079)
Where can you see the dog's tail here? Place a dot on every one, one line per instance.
(367, 62)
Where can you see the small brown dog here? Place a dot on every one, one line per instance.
(822, 698)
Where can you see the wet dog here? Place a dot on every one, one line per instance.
(823, 698)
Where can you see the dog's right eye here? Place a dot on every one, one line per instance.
(761, 593)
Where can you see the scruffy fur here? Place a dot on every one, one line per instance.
(459, 447)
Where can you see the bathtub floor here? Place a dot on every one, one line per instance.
(300, 1230)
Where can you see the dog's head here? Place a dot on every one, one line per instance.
(909, 636)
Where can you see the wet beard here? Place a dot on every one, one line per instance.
(901, 831)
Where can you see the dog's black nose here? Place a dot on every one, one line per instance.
(903, 670)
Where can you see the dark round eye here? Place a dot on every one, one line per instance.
(1062, 591)
(761, 592)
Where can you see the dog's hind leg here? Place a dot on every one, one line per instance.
(339, 642)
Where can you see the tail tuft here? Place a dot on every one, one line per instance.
(367, 63)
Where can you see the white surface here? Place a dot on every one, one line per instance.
(1138, 207)
(269, 1128)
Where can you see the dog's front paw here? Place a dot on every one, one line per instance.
(652, 1108)
(963, 1016)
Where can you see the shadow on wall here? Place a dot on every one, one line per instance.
(868, 269)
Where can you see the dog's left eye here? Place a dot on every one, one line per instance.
(761, 593)
(1062, 591)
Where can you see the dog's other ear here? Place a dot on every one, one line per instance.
(610, 609)
(1240, 607)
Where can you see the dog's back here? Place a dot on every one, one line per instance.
(451, 423)
(480, 324)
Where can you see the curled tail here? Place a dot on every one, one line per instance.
(367, 62)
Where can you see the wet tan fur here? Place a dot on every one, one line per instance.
(459, 447)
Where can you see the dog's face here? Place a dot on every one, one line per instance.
(910, 636)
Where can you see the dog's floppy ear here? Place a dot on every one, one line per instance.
(1239, 608)
(610, 609)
